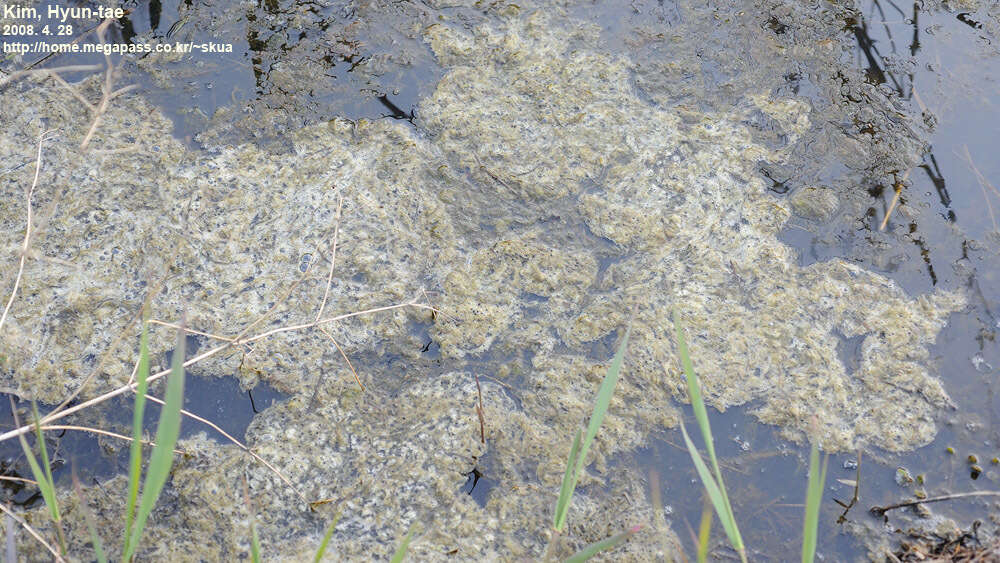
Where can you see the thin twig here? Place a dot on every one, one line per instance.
(107, 93)
(238, 444)
(32, 531)
(346, 359)
(895, 200)
(47, 72)
(27, 230)
(101, 432)
(881, 510)
(854, 499)
(333, 261)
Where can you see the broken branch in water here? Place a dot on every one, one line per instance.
(881, 510)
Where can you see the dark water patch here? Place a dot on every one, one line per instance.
(480, 483)
(97, 458)
(766, 478)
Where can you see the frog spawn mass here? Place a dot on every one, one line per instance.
(549, 206)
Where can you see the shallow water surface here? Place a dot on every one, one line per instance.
(544, 175)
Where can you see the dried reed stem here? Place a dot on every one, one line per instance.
(27, 231)
(895, 201)
(34, 534)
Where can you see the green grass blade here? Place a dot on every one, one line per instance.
(704, 531)
(51, 499)
(601, 403)
(701, 416)
(135, 450)
(568, 484)
(814, 496)
(326, 538)
(714, 492)
(162, 458)
(95, 538)
(254, 541)
(46, 485)
(44, 452)
(603, 399)
(404, 546)
(603, 545)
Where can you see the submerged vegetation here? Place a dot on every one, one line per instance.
(487, 264)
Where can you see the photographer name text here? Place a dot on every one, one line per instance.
(60, 13)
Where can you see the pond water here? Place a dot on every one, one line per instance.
(543, 173)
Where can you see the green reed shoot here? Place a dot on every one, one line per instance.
(43, 472)
(162, 458)
(814, 496)
(603, 545)
(95, 538)
(712, 480)
(404, 546)
(704, 531)
(135, 450)
(326, 538)
(578, 453)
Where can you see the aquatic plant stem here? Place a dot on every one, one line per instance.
(715, 486)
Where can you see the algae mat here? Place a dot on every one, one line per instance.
(543, 205)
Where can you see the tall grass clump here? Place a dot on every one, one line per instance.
(162, 457)
(716, 488)
(160, 460)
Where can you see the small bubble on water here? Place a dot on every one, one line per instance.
(980, 363)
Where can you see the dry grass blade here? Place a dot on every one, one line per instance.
(107, 91)
(34, 533)
(333, 259)
(481, 413)
(252, 514)
(27, 231)
(18, 480)
(895, 201)
(102, 433)
(983, 184)
(343, 355)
